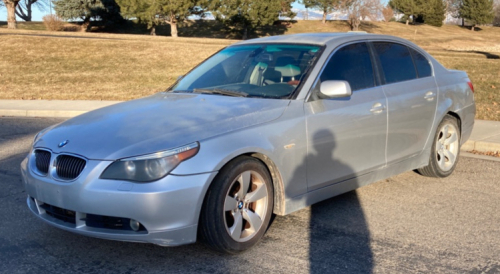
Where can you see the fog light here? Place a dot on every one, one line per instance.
(135, 225)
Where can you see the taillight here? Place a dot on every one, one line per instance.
(471, 86)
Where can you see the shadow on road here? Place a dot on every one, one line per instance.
(339, 239)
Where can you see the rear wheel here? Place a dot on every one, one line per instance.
(238, 206)
(445, 149)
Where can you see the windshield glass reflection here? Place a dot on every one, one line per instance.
(261, 70)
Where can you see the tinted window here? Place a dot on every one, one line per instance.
(422, 64)
(351, 63)
(396, 62)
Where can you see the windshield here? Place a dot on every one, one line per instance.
(260, 70)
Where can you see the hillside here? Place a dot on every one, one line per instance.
(103, 66)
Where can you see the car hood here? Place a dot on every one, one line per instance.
(159, 122)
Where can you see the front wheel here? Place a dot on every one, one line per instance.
(238, 206)
(445, 149)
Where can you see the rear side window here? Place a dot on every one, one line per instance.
(396, 61)
(351, 63)
(423, 67)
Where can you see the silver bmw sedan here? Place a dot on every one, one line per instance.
(265, 126)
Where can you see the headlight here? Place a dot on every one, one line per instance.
(151, 167)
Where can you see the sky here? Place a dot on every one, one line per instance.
(37, 15)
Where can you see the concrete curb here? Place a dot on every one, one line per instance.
(481, 157)
(40, 113)
(49, 108)
(480, 146)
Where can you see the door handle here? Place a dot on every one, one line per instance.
(377, 108)
(429, 96)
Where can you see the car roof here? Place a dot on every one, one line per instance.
(321, 38)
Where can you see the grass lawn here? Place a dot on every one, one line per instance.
(37, 64)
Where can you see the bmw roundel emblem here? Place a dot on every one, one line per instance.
(63, 143)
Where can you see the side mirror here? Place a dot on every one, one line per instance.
(335, 89)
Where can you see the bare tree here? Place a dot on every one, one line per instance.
(358, 10)
(24, 9)
(452, 8)
(388, 13)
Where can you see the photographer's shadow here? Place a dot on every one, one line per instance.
(339, 238)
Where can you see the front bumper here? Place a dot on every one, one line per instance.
(167, 209)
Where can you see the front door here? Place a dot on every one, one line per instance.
(346, 136)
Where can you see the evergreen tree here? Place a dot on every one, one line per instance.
(157, 12)
(105, 10)
(477, 11)
(77, 9)
(431, 12)
(406, 7)
(246, 15)
(435, 15)
(326, 6)
(286, 9)
(110, 14)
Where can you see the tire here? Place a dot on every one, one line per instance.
(231, 220)
(445, 149)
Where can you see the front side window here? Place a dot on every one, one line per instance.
(396, 60)
(260, 70)
(353, 64)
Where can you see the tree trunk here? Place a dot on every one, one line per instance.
(153, 30)
(28, 10)
(408, 21)
(463, 22)
(173, 29)
(11, 13)
(245, 33)
(324, 17)
(472, 28)
(86, 24)
(356, 25)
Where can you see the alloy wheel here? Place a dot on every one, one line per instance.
(447, 147)
(245, 206)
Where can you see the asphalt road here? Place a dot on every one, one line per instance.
(407, 223)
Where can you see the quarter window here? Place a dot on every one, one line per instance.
(351, 63)
(422, 64)
(396, 61)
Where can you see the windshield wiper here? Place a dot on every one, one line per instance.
(226, 92)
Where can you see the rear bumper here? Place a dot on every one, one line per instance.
(467, 116)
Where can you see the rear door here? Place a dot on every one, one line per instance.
(411, 95)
